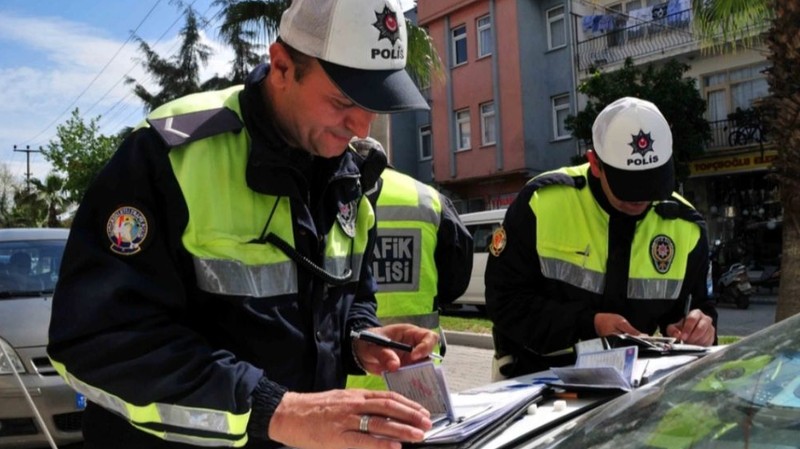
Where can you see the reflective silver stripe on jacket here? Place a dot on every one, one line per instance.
(424, 212)
(594, 282)
(172, 415)
(233, 278)
(654, 288)
(574, 275)
(428, 320)
(403, 213)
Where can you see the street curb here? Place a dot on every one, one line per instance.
(483, 341)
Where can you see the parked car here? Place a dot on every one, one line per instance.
(746, 395)
(29, 265)
(480, 225)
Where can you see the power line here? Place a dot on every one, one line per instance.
(91, 83)
(106, 116)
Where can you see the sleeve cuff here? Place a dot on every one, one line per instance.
(586, 324)
(266, 398)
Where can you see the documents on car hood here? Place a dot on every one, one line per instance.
(602, 369)
(460, 416)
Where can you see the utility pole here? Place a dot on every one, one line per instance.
(28, 152)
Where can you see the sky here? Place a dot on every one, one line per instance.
(56, 56)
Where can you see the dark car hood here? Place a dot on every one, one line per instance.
(24, 321)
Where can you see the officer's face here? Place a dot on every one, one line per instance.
(626, 207)
(314, 114)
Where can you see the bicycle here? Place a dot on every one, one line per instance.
(749, 128)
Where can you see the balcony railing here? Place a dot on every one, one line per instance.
(639, 39)
(737, 132)
(622, 37)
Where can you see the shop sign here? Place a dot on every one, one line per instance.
(501, 201)
(743, 162)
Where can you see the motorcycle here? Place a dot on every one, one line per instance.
(730, 283)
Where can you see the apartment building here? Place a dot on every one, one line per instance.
(496, 119)
(512, 68)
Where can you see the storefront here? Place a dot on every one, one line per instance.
(740, 202)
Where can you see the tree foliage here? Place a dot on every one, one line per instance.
(78, 153)
(8, 187)
(257, 22)
(675, 95)
(50, 193)
(736, 20)
(179, 75)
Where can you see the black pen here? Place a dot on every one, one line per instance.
(380, 340)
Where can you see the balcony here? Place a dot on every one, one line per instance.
(743, 129)
(617, 37)
(614, 37)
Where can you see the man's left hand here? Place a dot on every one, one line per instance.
(696, 329)
(377, 359)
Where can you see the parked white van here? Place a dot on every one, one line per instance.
(481, 225)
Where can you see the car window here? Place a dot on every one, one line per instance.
(745, 396)
(30, 265)
(482, 235)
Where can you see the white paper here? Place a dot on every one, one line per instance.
(460, 415)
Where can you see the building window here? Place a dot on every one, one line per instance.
(560, 112)
(484, 36)
(425, 143)
(734, 88)
(556, 28)
(462, 130)
(488, 124)
(726, 92)
(459, 45)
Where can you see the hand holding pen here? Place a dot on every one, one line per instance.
(370, 346)
(695, 327)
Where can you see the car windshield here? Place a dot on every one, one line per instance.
(745, 396)
(29, 267)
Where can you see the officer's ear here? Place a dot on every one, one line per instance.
(281, 65)
(594, 163)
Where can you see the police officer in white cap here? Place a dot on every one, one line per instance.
(602, 248)
(220, 263)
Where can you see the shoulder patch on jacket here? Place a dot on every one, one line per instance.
(672, 209)
(186, 128)
(556, 178)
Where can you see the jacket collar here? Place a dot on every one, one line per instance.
(274, 167)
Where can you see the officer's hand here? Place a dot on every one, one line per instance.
(331, 419)
(611, 323)
(696, 329)
(377, 359)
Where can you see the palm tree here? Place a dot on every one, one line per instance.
(257, 21)
(29, 211)
(51, 192)
(733, 20)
